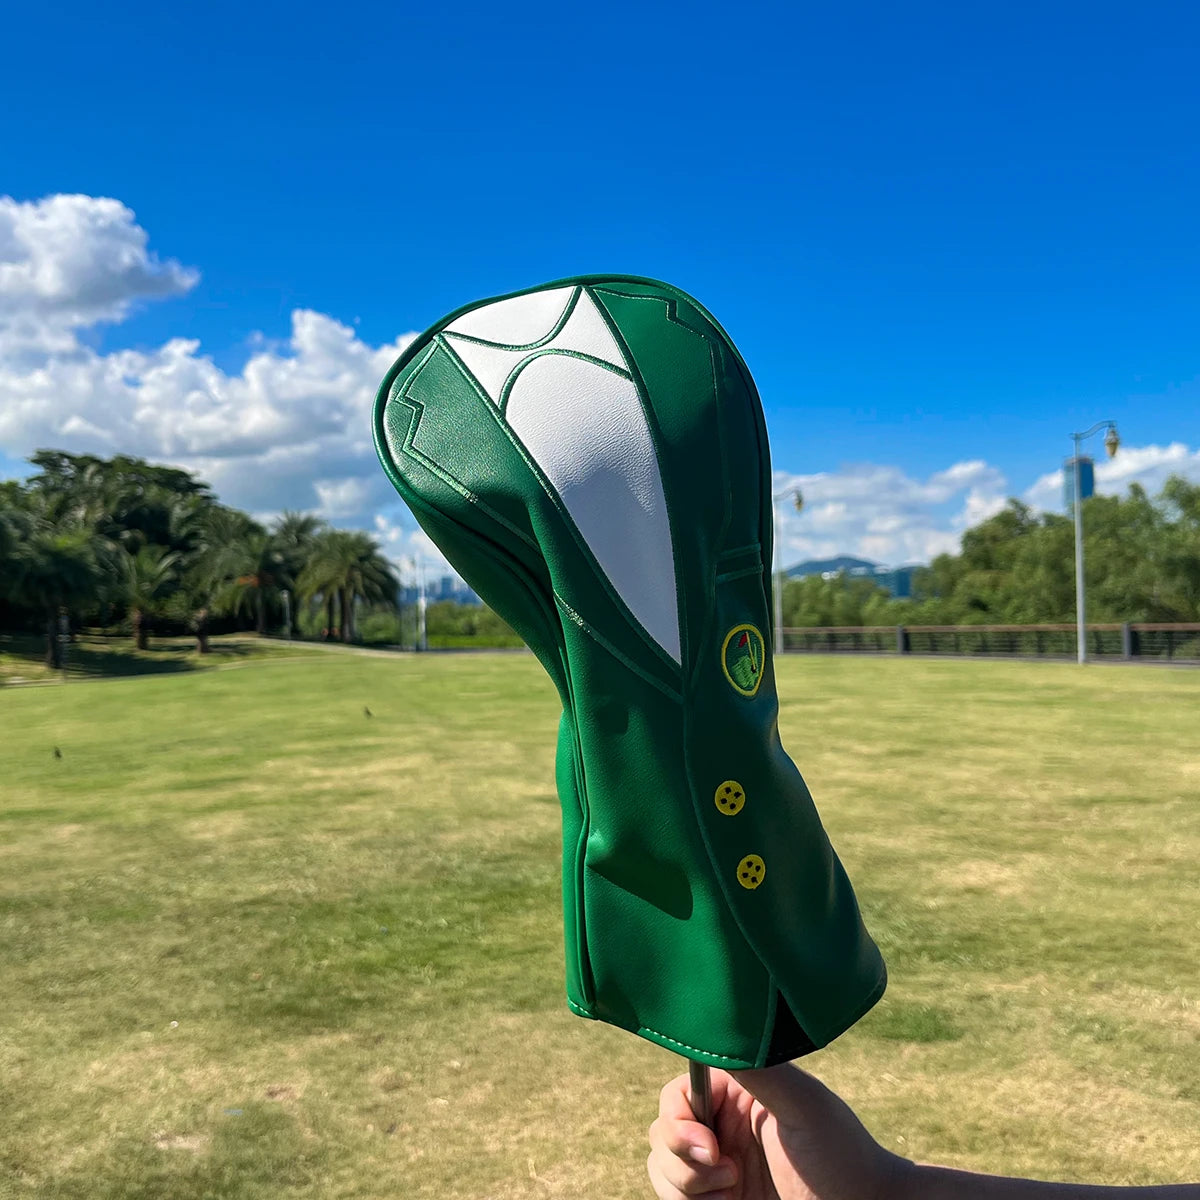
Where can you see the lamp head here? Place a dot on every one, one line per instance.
(1111, 441)
(798, 500)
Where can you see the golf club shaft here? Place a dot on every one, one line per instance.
(700, 1096)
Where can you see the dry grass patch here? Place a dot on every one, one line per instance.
(355, 923)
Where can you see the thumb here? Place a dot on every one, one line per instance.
(792, 1095)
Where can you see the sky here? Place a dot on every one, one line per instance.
(943, 236)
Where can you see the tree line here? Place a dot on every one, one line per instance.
(97, 541)
(121, 541)
(1141, 556)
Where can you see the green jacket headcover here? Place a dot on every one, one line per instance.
(591, 456)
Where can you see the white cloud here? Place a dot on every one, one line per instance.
(292, 428)
(881, 513)
(411, 550)
(346, 497)
(68, 262)
(980, 504)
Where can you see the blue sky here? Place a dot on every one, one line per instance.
(944, 236)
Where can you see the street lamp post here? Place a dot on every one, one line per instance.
(417, 565)
(776, 529)
(1111, 442)
(422, 635)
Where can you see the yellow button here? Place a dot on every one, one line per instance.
(751, 871)
(730, 797)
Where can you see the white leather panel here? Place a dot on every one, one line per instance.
(585, 428)
(587, 332)
(490, 365)
(584, 331)
(518, 321)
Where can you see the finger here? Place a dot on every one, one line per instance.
(687, 1177)
(685, 1139)
(675, 1098)
(668, 1191)
(677, 1127)
(662, 1189)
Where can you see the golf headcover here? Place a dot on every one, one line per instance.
(591, 456)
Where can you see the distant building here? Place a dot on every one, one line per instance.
(446, 587)
(897, 580)
(1087, 481)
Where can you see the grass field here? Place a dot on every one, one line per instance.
(256, 943)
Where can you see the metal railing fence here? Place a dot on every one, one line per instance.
(1129, 640)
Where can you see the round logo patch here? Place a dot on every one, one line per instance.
(742, 658)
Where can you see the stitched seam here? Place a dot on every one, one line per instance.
(671, 302)
(739, 550)
(605, 644)
(731, 575)
(685, 1046)
(511, 380)
(411, 448)
(571, 528)
(732, 907)
(656, 441)
(582, 1012)
(559, 325)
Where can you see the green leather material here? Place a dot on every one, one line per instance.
(729, 934)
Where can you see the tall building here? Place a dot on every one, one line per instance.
(445, 587)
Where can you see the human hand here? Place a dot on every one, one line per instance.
(780, 1135)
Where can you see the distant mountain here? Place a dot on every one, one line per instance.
(897, 580)
(819, 566)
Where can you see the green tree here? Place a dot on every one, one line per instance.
(127, 500)
(253, 574)
(1181, 550)
(12, 513)
(52, 572)
(148, 578)
(840, 600)
(295, 536)
(215, 560)
(347, 567)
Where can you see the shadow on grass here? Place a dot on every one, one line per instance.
(91, 662)
(92, 657)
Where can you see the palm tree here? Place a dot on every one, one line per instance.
(11, 521)
(50, 563)
(295, 536)
(215, 563)
(52, 571)
(148, 577)
(253, 571)
(320, 580)
(263, 578)
(348, 566)
(369, 577)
